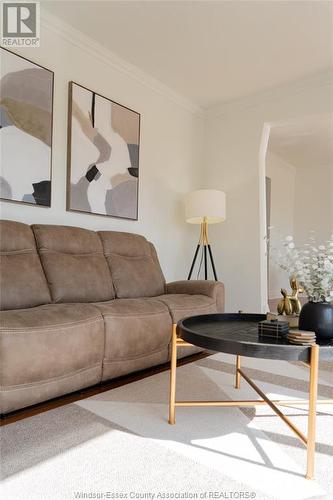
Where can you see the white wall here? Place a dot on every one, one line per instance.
(170, 153)
(283, 192)
(313, 203)
(301, 202)
(233, 139)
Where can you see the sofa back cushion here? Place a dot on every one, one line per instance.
(22, 280)
(134, 265)
(74, 264)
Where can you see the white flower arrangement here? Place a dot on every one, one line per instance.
(311, 264)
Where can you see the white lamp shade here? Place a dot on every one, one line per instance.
(205, 205)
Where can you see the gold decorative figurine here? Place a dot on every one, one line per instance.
(290, 304)
(296, 289)
(285, 305)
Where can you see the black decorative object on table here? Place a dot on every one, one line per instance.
(317, 317)
(273, 328)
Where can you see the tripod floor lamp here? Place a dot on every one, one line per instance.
(205, 206)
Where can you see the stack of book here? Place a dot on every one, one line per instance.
(273, 328)
(301, 337)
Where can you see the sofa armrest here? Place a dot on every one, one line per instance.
(214, 289)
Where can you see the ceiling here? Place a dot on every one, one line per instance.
(211, 51)
(307, 142)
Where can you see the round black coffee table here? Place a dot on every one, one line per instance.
(238, 334)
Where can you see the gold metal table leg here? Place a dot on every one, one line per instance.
(313, 393)
(270, 403)
(238, 375)
(309, 440)
(172, 397)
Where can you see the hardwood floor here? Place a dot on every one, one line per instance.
(14, 416)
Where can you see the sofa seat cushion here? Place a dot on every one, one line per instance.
(48, 351)
(137, 334)
(183, 305)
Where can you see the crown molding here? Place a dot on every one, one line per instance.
(88, 45)
(316, 81)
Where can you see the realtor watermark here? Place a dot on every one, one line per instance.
(20, 24)
(166, 495)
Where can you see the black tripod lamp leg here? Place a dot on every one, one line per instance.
(205, 257)
(212, 262)
(193, 261)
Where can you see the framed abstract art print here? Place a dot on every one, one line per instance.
(103, 155)
(26, 110)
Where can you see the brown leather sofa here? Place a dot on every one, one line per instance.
(80, 307)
